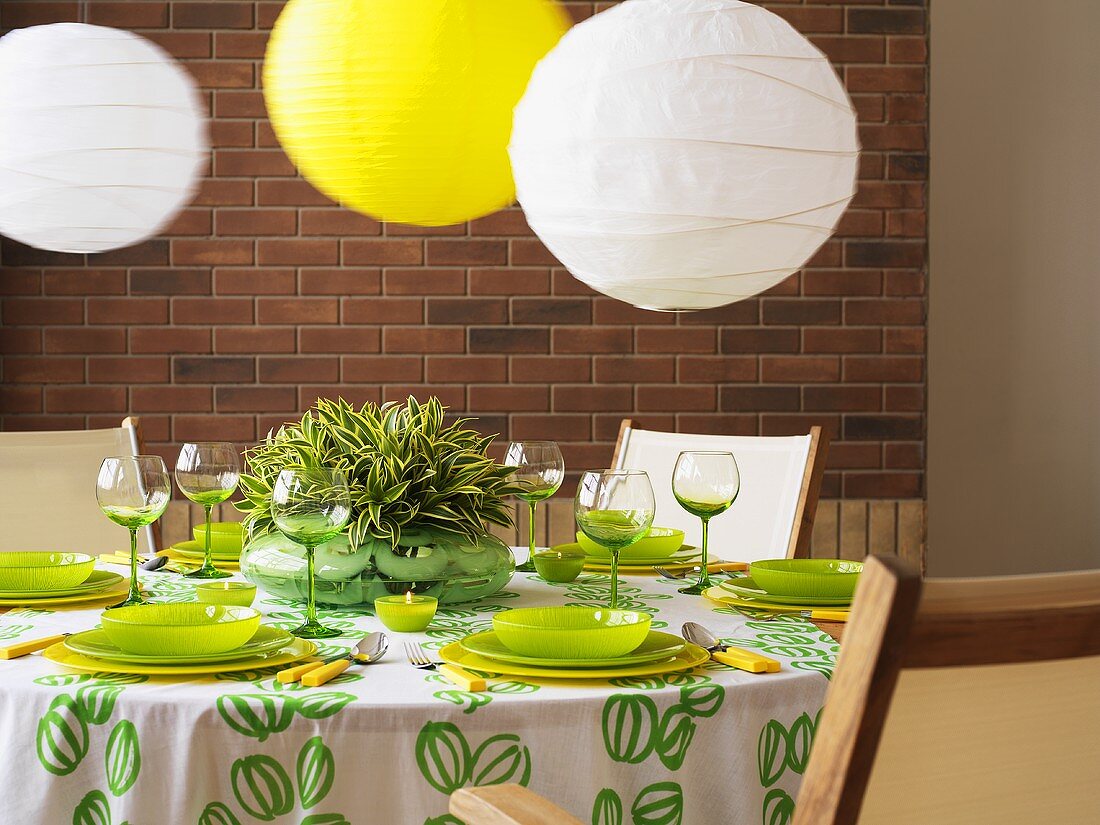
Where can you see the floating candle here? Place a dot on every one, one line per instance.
(406, 614)
(556, 566)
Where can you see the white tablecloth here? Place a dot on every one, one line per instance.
(387, 743)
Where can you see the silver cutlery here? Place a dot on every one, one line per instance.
(371, 648)
(455, 675)
(736, 657)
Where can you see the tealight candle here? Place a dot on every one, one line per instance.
(556, 566)
(239, 594)
(406, 614)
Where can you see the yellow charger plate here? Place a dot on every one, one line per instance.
(691, 656)
(113, 592)
(222, 564)
(295, 651)
(723, 597)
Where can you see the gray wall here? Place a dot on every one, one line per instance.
(1014, 329)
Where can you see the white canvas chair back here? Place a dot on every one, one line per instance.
(774, 509)
(49, 501)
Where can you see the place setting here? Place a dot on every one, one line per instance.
(819, 589)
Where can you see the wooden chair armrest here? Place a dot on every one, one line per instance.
(506, 805)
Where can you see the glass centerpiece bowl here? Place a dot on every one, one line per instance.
(423, 495)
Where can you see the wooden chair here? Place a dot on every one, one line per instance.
(49, 498)
(780, 483)
(972, 702)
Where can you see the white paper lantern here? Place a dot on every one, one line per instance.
(102, 137)
(684, 155)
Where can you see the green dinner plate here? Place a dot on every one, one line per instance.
(193, 549)
(686, 553)
(656, 646)
(99, 580)
(746, 588)
(95, 644)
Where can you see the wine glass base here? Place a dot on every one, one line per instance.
(696, 589)
(315, 630)
(129, 601)
(210, 572)
(527, 567)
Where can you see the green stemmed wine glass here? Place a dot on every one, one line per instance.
(614, 508)
(311, 506)
(207, 472)
(705, 484)
(133, 491)
(539, 471)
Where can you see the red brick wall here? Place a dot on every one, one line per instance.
(264, 295)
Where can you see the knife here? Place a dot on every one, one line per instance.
(733, 656)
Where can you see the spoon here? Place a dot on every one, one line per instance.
(371, 648)
(733, 656)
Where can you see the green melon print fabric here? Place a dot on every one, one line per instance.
(387, 743)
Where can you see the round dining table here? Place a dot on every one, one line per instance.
(387, 743)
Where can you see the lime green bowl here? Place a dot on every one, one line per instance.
(225, 536)
(814, 578)
(182, 629)
(657, 543)
(239, 594)
(26, 570)
(571, 632)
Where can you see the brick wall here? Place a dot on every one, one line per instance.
(263, 295)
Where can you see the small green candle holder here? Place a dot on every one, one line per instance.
(406, 614)
(559, 566)
(239, 594)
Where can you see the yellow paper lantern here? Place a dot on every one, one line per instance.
(402, 110)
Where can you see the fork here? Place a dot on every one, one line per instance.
(678, 574)
(455, 675)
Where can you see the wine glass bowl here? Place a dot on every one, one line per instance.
(705, 484)
(207, 473)
(133, 492)
(539, 470)
(614, 508)
(311, 506)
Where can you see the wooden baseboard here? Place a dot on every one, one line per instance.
(842, 529)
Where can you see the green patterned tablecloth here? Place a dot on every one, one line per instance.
(387, 743)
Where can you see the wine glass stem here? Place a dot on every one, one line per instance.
(704, 576)
(209, 562)
(531, 533)
(134, 592)
(614, 579)
(311, 599)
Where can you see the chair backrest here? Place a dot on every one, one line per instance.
(978, 706)
(780, 483)
(49, 482)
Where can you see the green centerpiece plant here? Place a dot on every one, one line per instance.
(423, 493)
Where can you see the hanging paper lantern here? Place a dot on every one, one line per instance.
(102, 137)
(684, 155)
(403, 110)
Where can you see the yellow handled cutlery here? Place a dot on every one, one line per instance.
(371, 648)
(458, 677)
(30, 646)
(737, 657)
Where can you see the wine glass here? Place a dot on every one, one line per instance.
(705, 484)
(539, 471)
(614, 508)
(207, 472)
(311, 506)
(133, 492)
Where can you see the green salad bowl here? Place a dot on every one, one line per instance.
(813, 578)
(659, 542)
(182, 629)
(571, 632)
(26, 570)
(225, 536)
